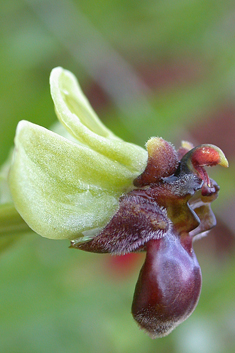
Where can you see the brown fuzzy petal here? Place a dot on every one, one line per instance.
(138, 220)
(162, 162)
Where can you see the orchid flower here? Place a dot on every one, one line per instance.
(81, 182)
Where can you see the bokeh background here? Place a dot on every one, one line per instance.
(154, 67)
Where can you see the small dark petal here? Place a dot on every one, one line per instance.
(168, 287)
(138, 219)
(162, 162)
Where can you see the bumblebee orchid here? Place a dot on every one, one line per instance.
(81, 182)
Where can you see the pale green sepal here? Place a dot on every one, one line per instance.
(78, 117)
(61, 188)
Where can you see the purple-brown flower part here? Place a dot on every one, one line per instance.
(162, 162)
(168, 286)
(168, 209)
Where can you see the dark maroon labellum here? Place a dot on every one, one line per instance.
(168, 286)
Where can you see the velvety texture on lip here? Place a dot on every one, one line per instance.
(168, 286)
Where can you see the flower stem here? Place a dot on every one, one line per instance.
(11, 222)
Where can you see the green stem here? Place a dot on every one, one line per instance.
(11, 222)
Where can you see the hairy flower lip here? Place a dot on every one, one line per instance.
(168, 287)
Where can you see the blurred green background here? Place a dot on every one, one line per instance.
(152, 67)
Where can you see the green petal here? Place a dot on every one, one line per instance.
(76, 114)
(63, 189)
